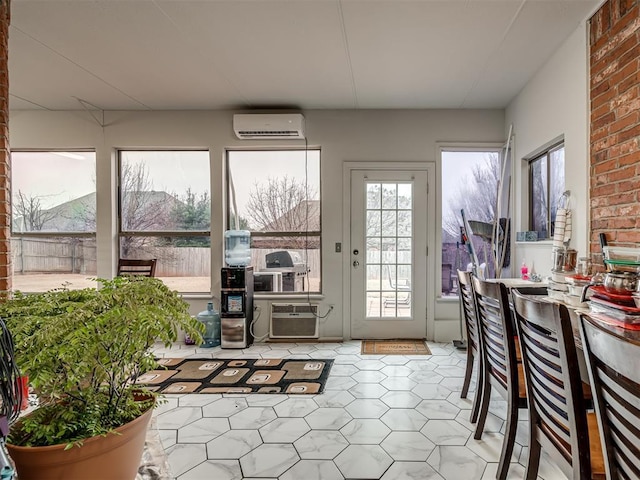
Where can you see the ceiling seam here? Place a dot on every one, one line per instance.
(486, 63)
(81, 67)
(345, 40)
(31, 102)
(222, 75)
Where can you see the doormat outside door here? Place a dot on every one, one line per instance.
(394, 347)
(206, 375)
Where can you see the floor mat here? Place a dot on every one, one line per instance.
(395, 347)
(205, 375)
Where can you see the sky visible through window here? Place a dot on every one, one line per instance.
(46, 175)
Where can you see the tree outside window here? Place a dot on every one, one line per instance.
(275, 194)
(546, 180)
(470, 183)
(165, 213)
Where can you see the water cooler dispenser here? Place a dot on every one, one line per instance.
(236, 311)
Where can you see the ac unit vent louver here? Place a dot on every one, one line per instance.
(248, 126)
(267, 133)
(293, 320)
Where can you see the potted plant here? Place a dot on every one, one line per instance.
(81, 350)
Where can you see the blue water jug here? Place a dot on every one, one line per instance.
(237, 248)
(211, 320)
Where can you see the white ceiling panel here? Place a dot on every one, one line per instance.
(310, 54)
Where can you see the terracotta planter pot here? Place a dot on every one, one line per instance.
(114, 456)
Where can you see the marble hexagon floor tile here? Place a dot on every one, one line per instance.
(380, 417)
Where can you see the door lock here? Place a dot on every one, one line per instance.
(356, 252)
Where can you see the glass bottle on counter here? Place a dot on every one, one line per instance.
(524, 271)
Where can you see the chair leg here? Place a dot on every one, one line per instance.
(467, 373)
(485, 395)
(478, 396)
(533, 464)
(509, 439)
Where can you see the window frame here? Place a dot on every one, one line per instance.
(462, 253)
(306, 235)
(545, 153)
(41, 234)
(158, 233)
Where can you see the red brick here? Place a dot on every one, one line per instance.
(602, 69)
(630, 69)
(629, 57)
(632, 80)
(625, 148)
(600, 133)
(631, 236)
(623, 223)
(629, 133)
(5, 267)
(603, 121)
(602, 109)
(599, 157)
(605, 166)
(599, 201)
(622, 45)
(603, 87)
(632, 158)
(625, 5)
(623, 198)
(624, 122)
(600, 23)
(603, 144)
(631, 185)
(624, 173)
(602, 99)
(624, 25)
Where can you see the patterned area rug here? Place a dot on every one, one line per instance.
(394, 347)
(199, 375)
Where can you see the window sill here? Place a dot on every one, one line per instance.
(288, 296)
(537, 243)
(196, 296)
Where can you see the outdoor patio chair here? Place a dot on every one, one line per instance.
(128, 266)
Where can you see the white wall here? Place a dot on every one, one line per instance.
(363, 135)
(554, 103)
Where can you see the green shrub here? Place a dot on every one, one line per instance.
(82, 349)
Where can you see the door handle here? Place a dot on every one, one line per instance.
(356, 263)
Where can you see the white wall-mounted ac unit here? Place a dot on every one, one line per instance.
(293, 320)
(268, 126)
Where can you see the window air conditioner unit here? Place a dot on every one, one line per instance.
(293, 320)
(268, 126)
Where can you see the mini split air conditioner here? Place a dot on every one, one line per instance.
(293, 320)
(274, 126)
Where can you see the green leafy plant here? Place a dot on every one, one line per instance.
(82, 349)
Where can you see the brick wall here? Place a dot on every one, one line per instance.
(615, 123)
(5, 188)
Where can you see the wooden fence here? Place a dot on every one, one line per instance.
(42, 255)
(36, 255)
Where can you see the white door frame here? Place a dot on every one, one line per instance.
(347, 168)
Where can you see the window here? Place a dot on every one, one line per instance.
(165, 213)
(276, 196)
(546, 185)
(469, 183)
(53, 210)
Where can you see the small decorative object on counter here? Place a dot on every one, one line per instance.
(535, 277)
(524, 271)
(211, 320)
